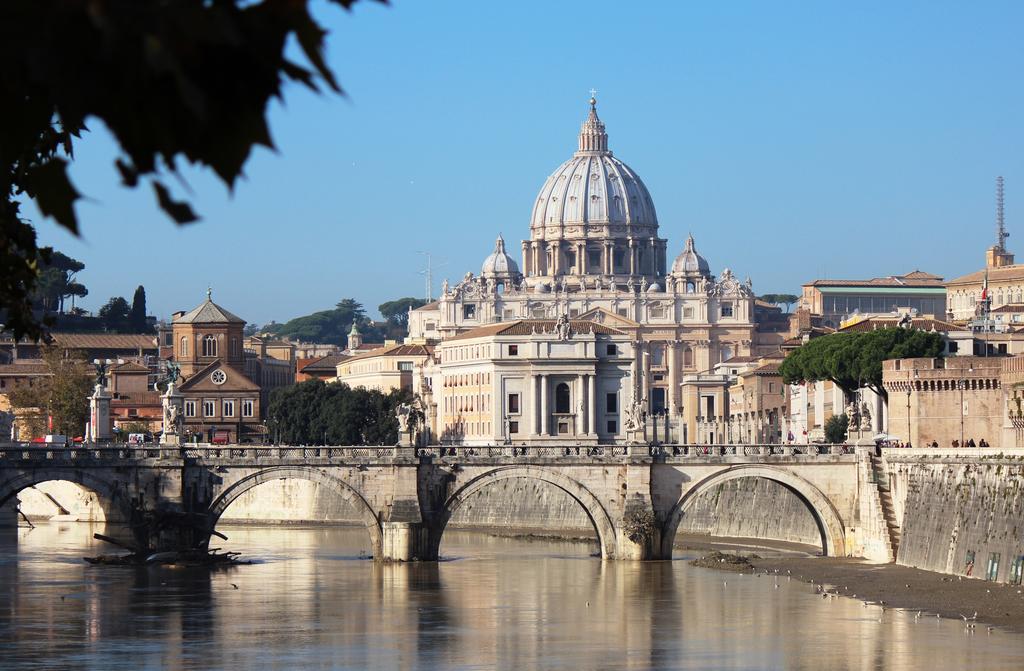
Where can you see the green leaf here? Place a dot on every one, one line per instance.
(129, 175)
(180, 211)
(53, 192)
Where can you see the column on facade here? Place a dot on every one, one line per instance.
(673, 376)
(531, 383)
(543, 405)
(673, 386)
(527, 258)
(646, 374)
(632, 256)
(578, 396)
(581, 263)
(592, 404)
(608, 258)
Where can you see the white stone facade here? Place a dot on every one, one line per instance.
(594, 255)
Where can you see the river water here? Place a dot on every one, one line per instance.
(312, 601)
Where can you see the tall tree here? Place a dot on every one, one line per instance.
(57, 282)
(315, 413)
(63, 394)
(780, 299)
(185, 80)
(325, 326)
(852, 360)
(397, 311)
(137, 316)
(116, 315)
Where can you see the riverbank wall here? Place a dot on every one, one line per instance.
(961, 511)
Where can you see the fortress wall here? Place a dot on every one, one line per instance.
(950, 510)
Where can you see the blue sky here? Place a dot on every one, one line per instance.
(796, 140)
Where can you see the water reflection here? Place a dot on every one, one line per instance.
(311, 602)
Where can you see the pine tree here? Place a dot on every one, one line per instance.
(137, 316)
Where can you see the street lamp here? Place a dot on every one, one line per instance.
(910, 384)
(961, 383)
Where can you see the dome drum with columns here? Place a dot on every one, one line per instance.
(594, 254)
(593, 216)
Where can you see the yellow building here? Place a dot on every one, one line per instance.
(393, 366)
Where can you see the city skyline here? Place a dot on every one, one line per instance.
(866, 162)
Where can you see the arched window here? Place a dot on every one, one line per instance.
(234, 347)
(690, 287)
(562, 404)
(687, 357)
(183, 347)
(210, 345)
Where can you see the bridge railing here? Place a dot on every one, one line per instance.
(34, 452)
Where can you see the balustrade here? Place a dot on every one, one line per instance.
(24, 453)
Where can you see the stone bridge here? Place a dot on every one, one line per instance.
(635, 496)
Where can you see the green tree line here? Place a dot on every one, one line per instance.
(316, 413)
(854, 360)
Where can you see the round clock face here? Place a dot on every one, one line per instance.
(218, 376)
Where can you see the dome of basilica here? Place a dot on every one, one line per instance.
(689, 262)
(593, 187)
(499, 264)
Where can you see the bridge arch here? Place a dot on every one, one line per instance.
(826, 517)
(338, 485)
(111, 493)
(591, 505)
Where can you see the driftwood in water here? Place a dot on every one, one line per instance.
(140, 557)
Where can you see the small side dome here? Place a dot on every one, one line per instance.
(655, 287)
(499, 264)
(690, 262)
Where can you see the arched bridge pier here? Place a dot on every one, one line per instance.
(635, 496)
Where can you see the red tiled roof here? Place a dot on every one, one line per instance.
(767, 369)
(325, 364)
(1011, 307)
(917, 323)
(137, 398)
(429, 306)
(741, 359)
(395, 350)
(1003, 274)
(917, 278)
(24, 369)
(126, 341)
(130, 367)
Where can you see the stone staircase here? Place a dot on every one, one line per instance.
(885, 498)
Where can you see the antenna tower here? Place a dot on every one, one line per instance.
(1001, 233)
(428, 274)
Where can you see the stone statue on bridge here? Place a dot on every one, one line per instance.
(635, 416)
(173, 403)
(865, 417)
(406, 415)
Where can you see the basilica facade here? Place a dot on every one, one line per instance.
(594, 261)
